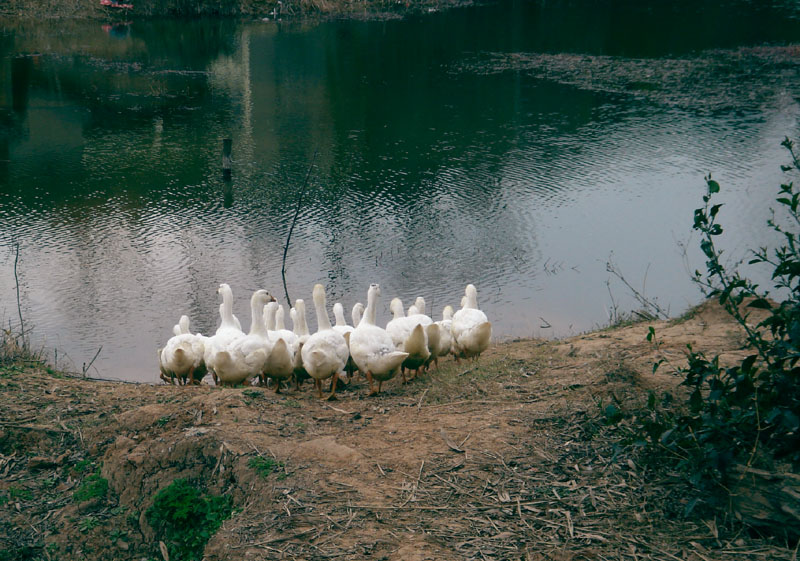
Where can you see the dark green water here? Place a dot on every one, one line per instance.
(518, 146)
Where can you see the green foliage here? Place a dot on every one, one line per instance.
(264, 466)
(82, 466)
(94, 486)
(19, 494)
(21, 553)
(185, 518)
(88, 524)
(118, 535)
(611, 413)
(133, 519)
(734, 412)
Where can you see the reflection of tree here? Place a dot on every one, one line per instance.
(152, 80)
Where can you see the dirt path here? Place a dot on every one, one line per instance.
(507, 458)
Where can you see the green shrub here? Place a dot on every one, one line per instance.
(185, 518)
(735, 414)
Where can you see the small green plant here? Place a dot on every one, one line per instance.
(291, 403)
(611, 413)
(264, 466)
(162, 421)
(133, 519)
(82, 466)
(119, 509)
(94, 486)
(116, 535)
(19, 494)
(255, 394)
(87, 524)
(185, 518)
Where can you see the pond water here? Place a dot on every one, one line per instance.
(519, 146)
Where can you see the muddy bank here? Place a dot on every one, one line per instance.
(507, 458)
(242, 8)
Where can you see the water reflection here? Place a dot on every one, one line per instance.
(514, 146)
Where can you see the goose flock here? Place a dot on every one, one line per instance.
(272, 354)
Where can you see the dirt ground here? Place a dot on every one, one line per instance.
(505, 458)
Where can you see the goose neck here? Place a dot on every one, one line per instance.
(370, 314)
(257, 326)
(323, 321)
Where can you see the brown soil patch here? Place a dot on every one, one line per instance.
(504, 458)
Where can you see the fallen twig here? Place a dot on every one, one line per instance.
(33, 427)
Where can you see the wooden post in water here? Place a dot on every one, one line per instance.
(227, 148)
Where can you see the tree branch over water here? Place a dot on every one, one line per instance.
(291, 228)
(19, 306)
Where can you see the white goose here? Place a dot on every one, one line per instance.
(471, 329)
(280, 363)
(244, 358)
(270, 310)
(182, 356)
(227, 332)
(445, 345)
(300, 328)
(371, 346)
(342, 327)
(227, 299)
(325, 353)
(408, 335)
(357, 313)
(341, 323)
(417, 311)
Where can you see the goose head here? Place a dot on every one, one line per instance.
(420, 304)
(371, 312)
(258, 302)
(338, 313)
(270, 309)
(447, 313)
(412, 310)
(301, 327)
(396, 307)
(323, 321)
(225, 291)
(279, 317)
(182, 326)
(471, 295)
(358, 312)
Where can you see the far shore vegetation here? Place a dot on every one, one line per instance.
(93, 9)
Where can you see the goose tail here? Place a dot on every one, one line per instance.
(416, 345)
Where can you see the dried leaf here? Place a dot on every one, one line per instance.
(449, 442)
